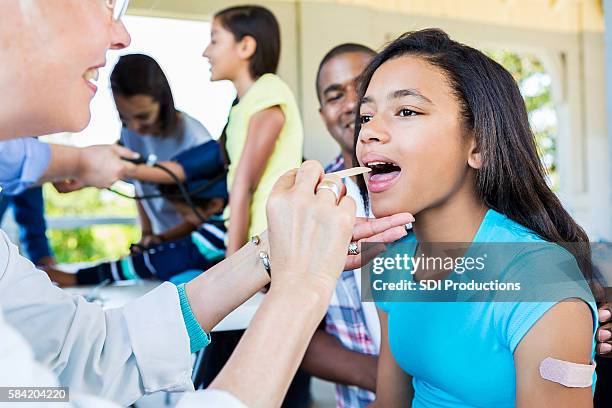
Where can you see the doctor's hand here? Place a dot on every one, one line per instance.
(68, 186)
(100, 166)
(309, 229)
(95, 166)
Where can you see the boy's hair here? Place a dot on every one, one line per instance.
(341, 49)
(138, 74)
(257, 22)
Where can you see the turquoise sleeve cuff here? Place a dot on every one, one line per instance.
(198, 338)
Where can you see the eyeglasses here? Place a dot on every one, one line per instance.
(119, 7)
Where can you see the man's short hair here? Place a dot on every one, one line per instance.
(339, 50)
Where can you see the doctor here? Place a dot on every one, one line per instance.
(50, 52)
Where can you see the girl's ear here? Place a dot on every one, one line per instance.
(474, 155)
(247, 47)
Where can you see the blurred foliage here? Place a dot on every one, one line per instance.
(535, 85)
(95, 242)
(89, 201)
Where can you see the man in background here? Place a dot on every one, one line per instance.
(345, 348)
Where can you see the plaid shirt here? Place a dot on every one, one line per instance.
(345, 320)
(336, 165)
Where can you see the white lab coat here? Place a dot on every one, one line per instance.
(49, 337)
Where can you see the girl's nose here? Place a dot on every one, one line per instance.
(373, 132)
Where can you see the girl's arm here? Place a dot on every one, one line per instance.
(146, 228)
(156, 175)
(328, 359)
(393, 385)
(179, 231)
(264, 129)
(201, 161)
(572, 322)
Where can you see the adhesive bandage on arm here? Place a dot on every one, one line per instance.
(566, 373)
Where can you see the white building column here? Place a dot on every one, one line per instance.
(608, 68)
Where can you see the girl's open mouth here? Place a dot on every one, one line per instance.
(383, 175)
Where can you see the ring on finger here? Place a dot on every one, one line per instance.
(353, 248)
(331, 186)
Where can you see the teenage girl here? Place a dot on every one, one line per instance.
(446, 133)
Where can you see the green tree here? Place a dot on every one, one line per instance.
(94, 242)
(535, 85)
